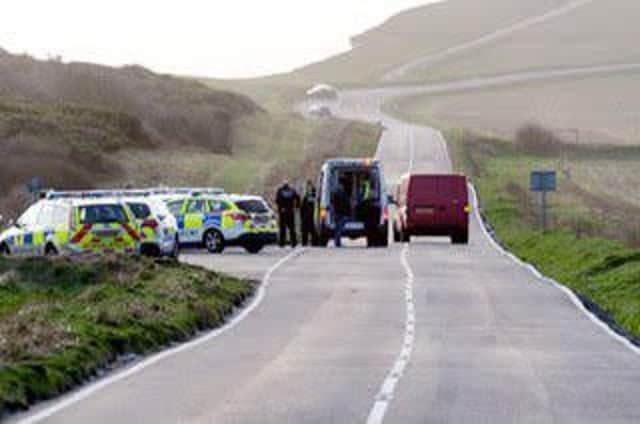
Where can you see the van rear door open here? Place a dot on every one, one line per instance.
(363, 182)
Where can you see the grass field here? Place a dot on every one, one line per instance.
(63, 322)
(581, 249)
(606, 109)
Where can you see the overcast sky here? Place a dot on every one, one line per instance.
(221, 38)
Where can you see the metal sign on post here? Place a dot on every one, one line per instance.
(34, 186)
(543, 182)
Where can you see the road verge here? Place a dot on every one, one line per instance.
(63, 323)
(601, 271)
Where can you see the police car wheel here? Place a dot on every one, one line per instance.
(396, 235)
(254, 248)
(50, 250)
(176, 249)
(214, 241)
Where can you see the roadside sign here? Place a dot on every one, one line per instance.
(34, 185)
(542, 181)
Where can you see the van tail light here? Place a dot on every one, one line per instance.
(150, 223)
(239, 216)
(386, 212)
(467, 208)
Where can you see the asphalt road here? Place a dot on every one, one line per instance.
(430, 332)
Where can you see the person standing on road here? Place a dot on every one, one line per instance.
(341, 212)
(287, 200)
(307, 210)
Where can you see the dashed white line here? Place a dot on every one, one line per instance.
(385, 394)
(126, 373)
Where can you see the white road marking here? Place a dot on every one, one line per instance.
(567, 291)
(128, 372)
(385, 395)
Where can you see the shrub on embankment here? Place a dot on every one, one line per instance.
(584, 248)
(63, 322)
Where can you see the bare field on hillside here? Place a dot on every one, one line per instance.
(606, 109)
(419, 32)
(613, 178)
(599, 33)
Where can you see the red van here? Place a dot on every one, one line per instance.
(432, 205)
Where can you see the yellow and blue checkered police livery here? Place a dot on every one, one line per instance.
(69, 226)
(218, 221)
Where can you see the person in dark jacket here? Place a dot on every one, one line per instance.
(288, 201)
(341, 213)
(307, 210)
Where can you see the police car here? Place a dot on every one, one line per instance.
(157, 226)
(219, 221)
(73, 226)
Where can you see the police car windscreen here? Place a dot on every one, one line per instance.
(140, 210)
(103, 214)
(252, 206)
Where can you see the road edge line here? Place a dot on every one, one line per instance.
(390, 383)
(539, 275)
(97, 386)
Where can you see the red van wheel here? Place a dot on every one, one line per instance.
(461, 237)
(396, 235)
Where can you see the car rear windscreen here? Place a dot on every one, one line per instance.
(140, 210)
(103, 214)
(252, 206)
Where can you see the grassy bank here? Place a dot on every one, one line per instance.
(585, 251)
(63, 322)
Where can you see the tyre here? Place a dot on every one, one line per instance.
(461, 237)
(213, 241)
(254, 248)
(383, 239)
(323, 240)
(50, 250)
(4, 250)
(176, 249)
(371, 241)
(150, 250)
(396, 235)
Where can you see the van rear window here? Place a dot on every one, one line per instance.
(103, 214)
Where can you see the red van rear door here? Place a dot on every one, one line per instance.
(423, 199)
(438, 200)
(453, 190)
